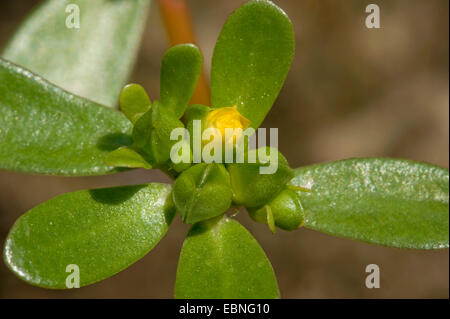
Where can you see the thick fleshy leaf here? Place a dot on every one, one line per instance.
(93, 61)
(102, 231)
(180, 70)
(221, 259)
(251, 59)
(389, 202)
(134, 101)
(46, 130)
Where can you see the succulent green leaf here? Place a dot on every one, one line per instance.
(126, 157)
(251, 59)
(102, 231)
(46, 130)
(180, 70)
(202, 192)
(383, 201)
(221, 259)
(134, 101)
(151, 133)
(94, 60)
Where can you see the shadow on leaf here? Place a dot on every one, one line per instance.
(112, 141)
(115, 195)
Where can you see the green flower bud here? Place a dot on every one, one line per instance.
(202, 192)
(286, 210)
(251, 187)
(151, 133)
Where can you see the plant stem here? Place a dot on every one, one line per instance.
(177, 21)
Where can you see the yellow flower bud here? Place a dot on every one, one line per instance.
(227, 117)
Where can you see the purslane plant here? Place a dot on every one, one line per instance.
(46, 130)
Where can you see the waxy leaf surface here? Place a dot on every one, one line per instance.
(221, 259)
(45, 130)
(251, 59)
(102, 231)
(383, 201)
(94, 60)
(180, 70)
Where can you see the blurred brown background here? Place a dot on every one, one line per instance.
(352, 91)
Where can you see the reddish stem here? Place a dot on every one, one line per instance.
(177, 20)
